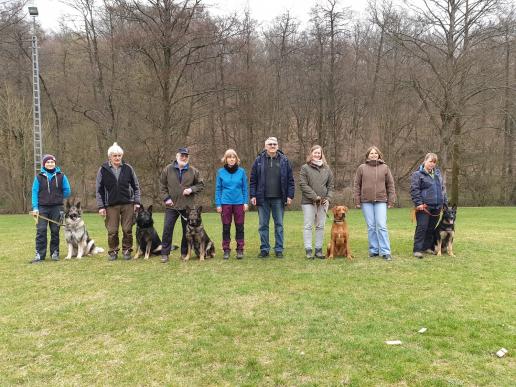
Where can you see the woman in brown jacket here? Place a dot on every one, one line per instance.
(374, 193)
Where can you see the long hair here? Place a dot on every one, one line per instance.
(380, 154)
(309, 157)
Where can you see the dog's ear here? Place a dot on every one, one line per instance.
(454, 207)
(334, 210)
(149, 209)
(78, 205)
(187, 209)
(68, 205)
(199, 209)
(345, 208)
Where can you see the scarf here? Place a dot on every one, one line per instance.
(317, 163)
(231, 169)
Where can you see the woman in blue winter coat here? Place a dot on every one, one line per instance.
(428, 193)
(231, 199)
(49, 189)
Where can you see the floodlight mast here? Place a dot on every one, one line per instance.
(36, 108)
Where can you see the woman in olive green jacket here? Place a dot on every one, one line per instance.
(316, 183)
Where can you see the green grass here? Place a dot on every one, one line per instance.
(272, 322)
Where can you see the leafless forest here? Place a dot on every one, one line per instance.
(158, 74)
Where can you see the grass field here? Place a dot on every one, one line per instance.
(264, 322)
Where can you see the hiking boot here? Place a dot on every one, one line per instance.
(164, 258)
(319, 254)
(372, 255)
(387, 257)
(112, 256)
(309, 254)
(127, 255)
(226, 254)
(279, 254)
(240, 254)
(55, 256)
(418, 254)
(263, 254)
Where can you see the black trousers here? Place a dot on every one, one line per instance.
(424, 235)
(171, 216)
(54, 213)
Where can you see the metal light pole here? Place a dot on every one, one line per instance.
(36, 108)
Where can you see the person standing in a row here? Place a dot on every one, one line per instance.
(49, 189)
(272, 188)
(374, 192)
(231, 201)
(428, 193)
(316, 183)
(179, 183)
(118, 198)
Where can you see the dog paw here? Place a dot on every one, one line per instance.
(68, 257)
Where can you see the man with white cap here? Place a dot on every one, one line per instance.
(49, 190)
(271, 188)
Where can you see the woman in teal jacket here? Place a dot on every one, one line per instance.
(49, 190)
(231, 199)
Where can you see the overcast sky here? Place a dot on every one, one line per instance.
(50, 11)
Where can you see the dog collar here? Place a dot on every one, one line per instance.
(338, 221)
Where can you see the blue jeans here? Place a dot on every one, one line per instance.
(277, 208)
(375, 215)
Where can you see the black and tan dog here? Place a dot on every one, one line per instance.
(445, 232)
(79, 242)
(196, 236)
(339, 239)
(146, 236)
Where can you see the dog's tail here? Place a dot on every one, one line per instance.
(94, 249)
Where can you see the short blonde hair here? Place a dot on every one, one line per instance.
(309, 157)
(431, 157)
(380, 154)
(115, 148)
(230, 152)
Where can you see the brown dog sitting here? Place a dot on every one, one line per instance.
(339, 242)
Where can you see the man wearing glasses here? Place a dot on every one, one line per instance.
(118, 197)
(271, 188)
(179, 183)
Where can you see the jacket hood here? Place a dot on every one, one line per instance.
(107, 166)
(264, 152)
(44, 171)
(375, 162)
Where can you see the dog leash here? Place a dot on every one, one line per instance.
(36, 217)
(179, 212)
(415, 210)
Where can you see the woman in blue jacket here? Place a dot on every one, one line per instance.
(428, 193)
(231, 201)
(49, 189)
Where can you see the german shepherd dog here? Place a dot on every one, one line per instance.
(445, 231)
(146, 236)
(196, 237)
(79, 242)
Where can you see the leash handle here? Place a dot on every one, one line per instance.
(36, 217)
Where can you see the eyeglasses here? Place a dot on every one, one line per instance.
(272, 144)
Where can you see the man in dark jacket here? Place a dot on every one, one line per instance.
(179, 183)
(118, 197)
(428, 193)
(271, 188)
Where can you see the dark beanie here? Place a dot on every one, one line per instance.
(46, 158)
